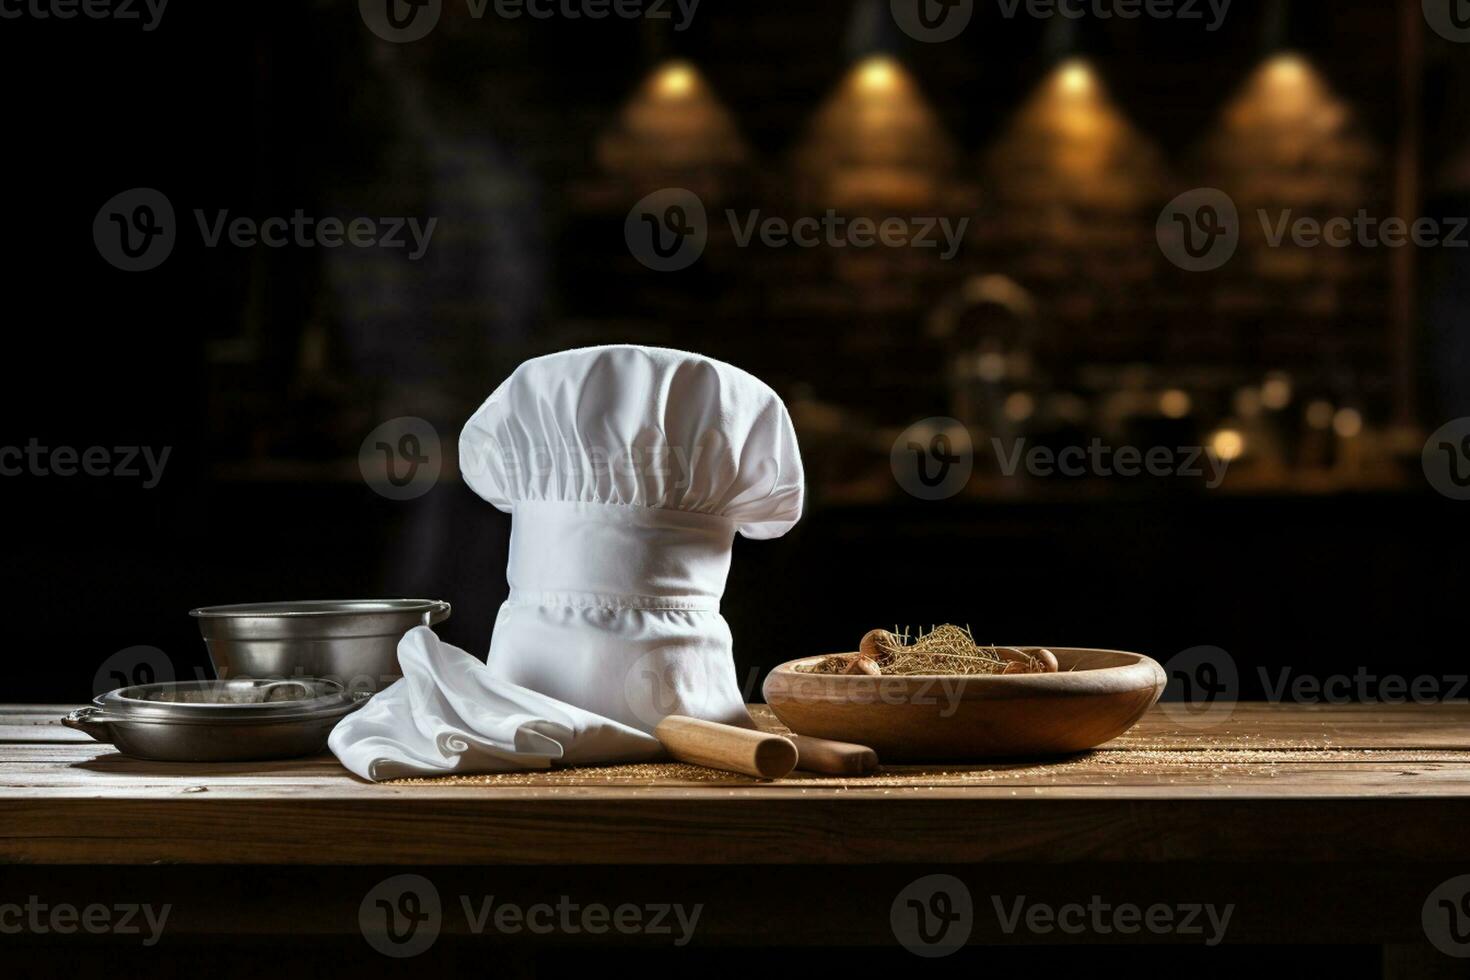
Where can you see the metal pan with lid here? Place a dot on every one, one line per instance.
(218, 721)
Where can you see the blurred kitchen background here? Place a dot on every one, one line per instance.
(1316, 372)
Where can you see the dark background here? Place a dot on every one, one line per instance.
(264, 369)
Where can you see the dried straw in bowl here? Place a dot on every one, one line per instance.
(944, 649)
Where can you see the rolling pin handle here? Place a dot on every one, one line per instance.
(716, 746)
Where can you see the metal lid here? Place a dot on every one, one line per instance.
(237, 701)
(318, 618)
(318, 607)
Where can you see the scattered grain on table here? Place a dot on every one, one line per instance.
(1208, 765)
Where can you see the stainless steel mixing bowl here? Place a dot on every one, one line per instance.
(352, 641)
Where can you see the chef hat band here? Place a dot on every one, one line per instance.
(625, 557)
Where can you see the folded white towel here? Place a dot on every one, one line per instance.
(448, 715)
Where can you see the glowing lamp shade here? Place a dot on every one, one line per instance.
(878, 75)
(1068, 144)
(874, 141)
(676, 80)
(1074, 78)
(672, 124)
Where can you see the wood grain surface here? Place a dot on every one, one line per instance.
(1267, 783)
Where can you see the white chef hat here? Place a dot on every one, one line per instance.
(638, 427)
(627, 472)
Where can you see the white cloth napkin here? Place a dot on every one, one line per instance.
(449, 715)
(628, 471)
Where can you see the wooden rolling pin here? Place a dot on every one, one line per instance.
(832, 758)
(743, 750)
(762, 754)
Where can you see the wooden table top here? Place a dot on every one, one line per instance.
(1297, 783)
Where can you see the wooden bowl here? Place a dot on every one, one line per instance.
(1095, 696)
